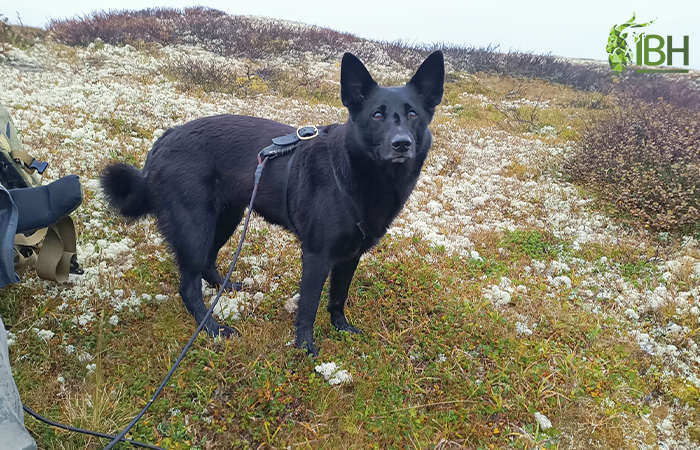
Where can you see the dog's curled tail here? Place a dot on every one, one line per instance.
(125, 188)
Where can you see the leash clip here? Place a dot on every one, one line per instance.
(307, 132)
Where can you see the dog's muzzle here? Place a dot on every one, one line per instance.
(402, 148)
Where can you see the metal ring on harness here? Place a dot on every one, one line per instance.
(307, 132)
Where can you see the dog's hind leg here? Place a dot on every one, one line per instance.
(191, 240)
(341, 277)
(191, 293)
(226, 224)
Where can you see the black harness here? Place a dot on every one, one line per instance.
(288, 143)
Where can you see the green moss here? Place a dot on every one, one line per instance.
(535, 244)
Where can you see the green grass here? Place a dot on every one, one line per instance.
(436, 362)
(118, 126)
(535, 244)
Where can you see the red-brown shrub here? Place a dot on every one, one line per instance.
(644, 158)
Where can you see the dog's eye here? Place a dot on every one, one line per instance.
(412, 114)
(377, 115)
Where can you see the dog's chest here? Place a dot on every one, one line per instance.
(348, 248)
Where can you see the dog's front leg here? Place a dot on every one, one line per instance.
(341, 277)
(315, 267)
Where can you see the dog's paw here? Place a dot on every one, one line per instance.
(230, 286)
(222, 331)
(349, 329)
(306, 343)
(227, 332)
(341, 324)
(310, 349)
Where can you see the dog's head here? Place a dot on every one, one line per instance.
(391, 123)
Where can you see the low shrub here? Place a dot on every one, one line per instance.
(214, 30)
(528, 65)
(680, 91)
(645, 159)
(203, 74)
(17, 36)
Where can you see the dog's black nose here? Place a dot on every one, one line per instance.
(401, 143)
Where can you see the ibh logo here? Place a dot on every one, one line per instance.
(620, 54)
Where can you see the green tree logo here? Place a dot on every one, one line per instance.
(619, 54)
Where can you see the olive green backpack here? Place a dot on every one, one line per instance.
(51, 250)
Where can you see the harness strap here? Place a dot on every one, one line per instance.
(282, 145)
(285, 207)
(349, 204)
(5, 143)
(288, 143)
(56, 259)
(31, 240)
(59, 246)
(22, 262)
(28, 162)
(24, 157)
(26, 249)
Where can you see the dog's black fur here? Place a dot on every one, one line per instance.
(198, 179)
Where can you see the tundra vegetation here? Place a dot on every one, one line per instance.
(539, 291)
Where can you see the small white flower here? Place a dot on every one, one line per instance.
(114, 320)
(326, 369)
(231, 305)
(91, 367)
(522, 329)
(341, 377)
(673, 328)
(292, 304)
(544, 422)
(331, 373)
(433, 207)
(498, 295)
(45, 334)
(86, 318)
(561, 281)
(645, 343)
(631, 314)
(557, 268)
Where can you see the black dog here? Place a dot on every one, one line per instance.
(343, 188)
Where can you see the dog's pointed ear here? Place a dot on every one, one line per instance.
(355, 82)
(429, 79)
